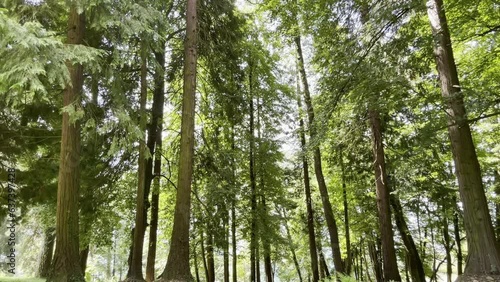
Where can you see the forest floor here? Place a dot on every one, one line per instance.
(20, 279)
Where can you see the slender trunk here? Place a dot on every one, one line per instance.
(391, 271)
(210, 256)
(346, 218)
(233, 209)
(497, 204)
(483, 252)
(65, 265)
(253, 238)
(226, 248)
(257, 262)
(48, 249)
(177, 267)
(233, 243)
(376, 261)
(84, 255)
(327, 206)
(323, 263)
(458, 242)
(157, 127)
(265, 242)
(135, 271)
(307, 187)
(195, 255)
(415, 263)
(292, 248)
(447, 248)
(204, 257)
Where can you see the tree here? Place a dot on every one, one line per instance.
(65, 265)
(484, 255)
(177, 268)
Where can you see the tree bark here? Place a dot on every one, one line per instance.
(177, 268)
(458, 241)
(415, 263)
(135, 270)
(307, 187)
(65, 265)
(348, 260)
(325, 198)
(292, 248)
(48, 249)
(84, 255)
(157, 108)
(253, 188)
(376, 260)
(210, 256)
(389, 260)
(447, 248)
(233, 208)
(483, 252)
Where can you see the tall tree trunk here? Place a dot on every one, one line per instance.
(292, 247)
(376, 260)
(177, 268)
(389, 260)
(65, 265)
(204, 256)
(348, 261)
(257, 262)
(307, 187)
(84, 255)
(458, 241)
(233, 242)
(210, 256)
(233, 209)
(48, 249)
(265, 241)
(447, 248)
(327, 206)
(497, 205)
(483, 252)
(253, 187)
(158, 103)
(135, 271)
(415, 263)
(226, 247)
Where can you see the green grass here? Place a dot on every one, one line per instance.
(16, 279)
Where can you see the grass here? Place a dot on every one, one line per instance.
(18, 279)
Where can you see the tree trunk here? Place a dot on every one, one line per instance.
(447, 248)
(204, 256)
(177, 268)
(292, 248)
(483, 252)
(210, 256)
(458, 242)
(65, 265)
(348, 261)
(226, 247)
(325, 198)
(135, 271)
(253, 187)
(376, 261)
(233, 209)
(383, 203)
(48, 249)
(497, 205)
(158, 103)
(415, 263)
(265, 241)
(307, 187)
(84, 255)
